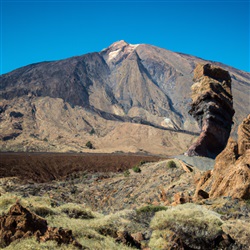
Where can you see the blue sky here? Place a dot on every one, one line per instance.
(41, 30)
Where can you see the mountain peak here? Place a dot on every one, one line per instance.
(119, 44)
(118, 50)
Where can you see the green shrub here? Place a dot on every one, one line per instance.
(150, 209)
(43, 211)
(92, 131)
(248, 202)
(193, 220)
(136, 169)
(158, 240)
(142, 162)
(126, 173)
(89, 145)
(34, 136)
(76, 211)
(171, 164)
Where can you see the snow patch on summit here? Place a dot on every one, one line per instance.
(113, 54)
(128, 49)
(134, 45)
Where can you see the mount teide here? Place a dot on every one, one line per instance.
(127, 98)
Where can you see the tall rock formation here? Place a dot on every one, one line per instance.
(212, 107)
(231, 174)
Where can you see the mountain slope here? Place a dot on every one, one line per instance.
(61, 102)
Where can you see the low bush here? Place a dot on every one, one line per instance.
(136, 169)
(89, 145)
(126, 173)
(150, 209)
(142, 162)
(92, 131)
(76, 211)
(43, 211)
(171, 164)
(190, 219)
(158, 240)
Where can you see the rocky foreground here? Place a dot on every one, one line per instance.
(162, 205)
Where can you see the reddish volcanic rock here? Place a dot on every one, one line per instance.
(244, 136)
(212, 107)
(19, 222)
(231, 174)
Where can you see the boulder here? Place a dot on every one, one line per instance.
(212, 107)
(19, 223)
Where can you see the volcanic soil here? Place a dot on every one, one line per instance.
(45, 167)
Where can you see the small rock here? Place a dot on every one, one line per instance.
(202, 194)
(125, 238)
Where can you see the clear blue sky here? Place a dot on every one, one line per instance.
(35, 31)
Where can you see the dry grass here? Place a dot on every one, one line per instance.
(77, 211)
(32, 244)
(159, 240)
(6, 201)
(189, 218)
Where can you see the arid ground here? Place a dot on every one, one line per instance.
(44, 167)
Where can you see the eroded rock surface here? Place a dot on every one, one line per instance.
(212, 107)
(19, 223)
(231, 174)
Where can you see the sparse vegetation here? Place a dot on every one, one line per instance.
(248, 202)
(193, 220)
(136, 169)
(43, 211)
(6, 201)
(150, 209)
(158, 240)
(171, 164)
(31, 244)
(76, 211)
(126, 173)
(89, 145)
(92, 131)
(34, 136)
(143, 162)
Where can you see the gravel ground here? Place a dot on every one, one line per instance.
(202, 163)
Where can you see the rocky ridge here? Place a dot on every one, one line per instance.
(212, 107)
